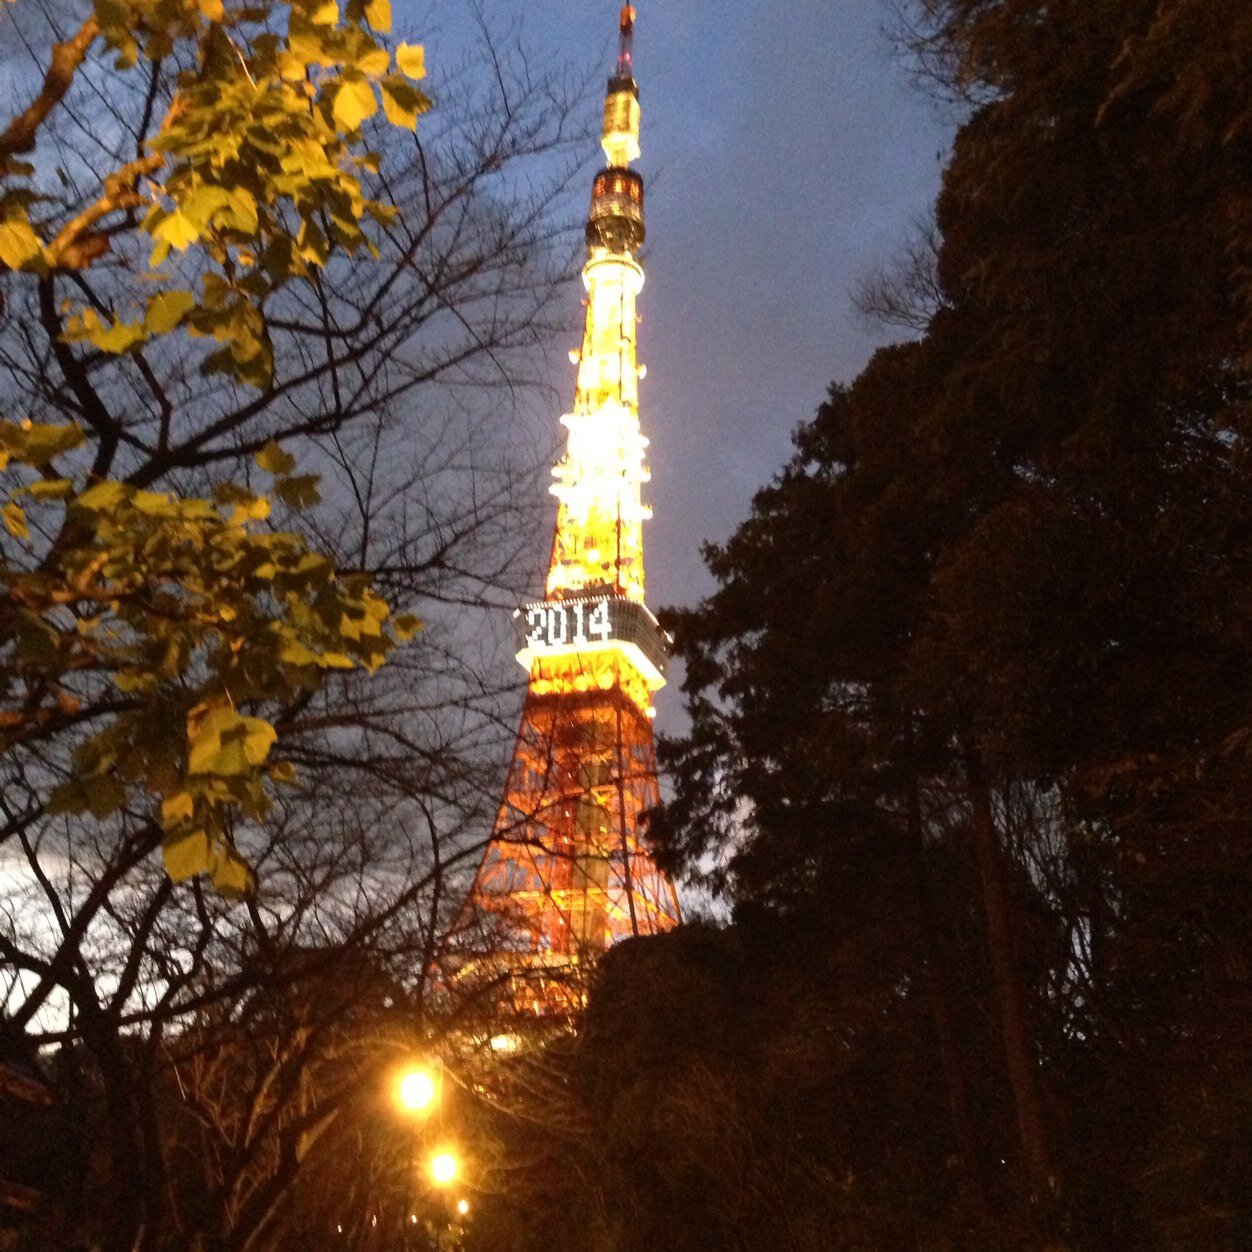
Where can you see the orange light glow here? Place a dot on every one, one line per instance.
(416, 1089)
(444, 1167)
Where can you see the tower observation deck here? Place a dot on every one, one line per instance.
(565, 875)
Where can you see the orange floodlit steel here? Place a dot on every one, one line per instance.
(565, 874)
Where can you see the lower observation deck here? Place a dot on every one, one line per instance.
(586, 626)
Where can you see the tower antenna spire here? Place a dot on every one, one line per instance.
(626, 42)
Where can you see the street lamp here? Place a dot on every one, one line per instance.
(417, 1089)
(416, 1094)
(444, 1167)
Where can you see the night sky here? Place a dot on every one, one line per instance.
(786, 153)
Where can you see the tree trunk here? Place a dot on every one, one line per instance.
(1019, 1047)
(125, 1180)
(939, 987)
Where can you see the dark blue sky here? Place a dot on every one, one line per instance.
(787, 153)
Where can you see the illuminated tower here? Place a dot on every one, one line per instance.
(564, 875)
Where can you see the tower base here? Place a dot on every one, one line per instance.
(564, 876)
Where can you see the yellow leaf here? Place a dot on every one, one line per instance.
(203, 205)
(273, 460)
(255, 510)
(293, 652)
(231, 875)
(354, 102)
(50, 489)
(396, 113)
(411, 58)
(307, 48)
(151, 502)
(15, 521)
(291, 67)
(229, 759)
(243, 215)
(282, 772)
(166, 310)
(378, 13)
(374, 62)
(406, 626)
(177, 808)
(224, 742)
(325, 14)
(299, 492)
(118, 338)
(336, 660)
(187, 855)
(104, 795)
(212, 9)
(177, 230)
(102, 495)
(36, 443)
(18, 243)
(205, 735)
(259, 737)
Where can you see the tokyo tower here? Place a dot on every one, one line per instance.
(564, 875)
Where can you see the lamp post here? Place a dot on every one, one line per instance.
(416, 1094)
(444, 1169)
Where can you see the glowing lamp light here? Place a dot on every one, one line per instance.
(416, 1090)
(444, 1167)
(462, 1207)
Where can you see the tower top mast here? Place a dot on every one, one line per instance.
(621, 100)
(625, 44)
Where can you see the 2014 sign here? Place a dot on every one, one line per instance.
(576, 622)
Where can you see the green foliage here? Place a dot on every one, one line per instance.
(257, 164)
(191, 617)
(192, 614)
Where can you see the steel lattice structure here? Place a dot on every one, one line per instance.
(565, 874)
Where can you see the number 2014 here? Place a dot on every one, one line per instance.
(550, 626)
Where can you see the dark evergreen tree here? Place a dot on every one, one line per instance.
(979, 657)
